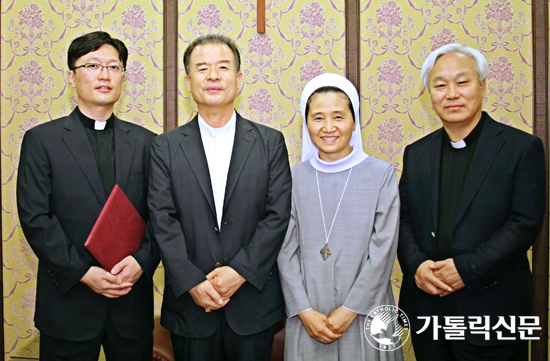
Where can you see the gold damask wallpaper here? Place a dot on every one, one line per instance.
(35, 37)
(397, 36)
(303, 38)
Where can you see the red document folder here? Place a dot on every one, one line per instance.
(118, 231)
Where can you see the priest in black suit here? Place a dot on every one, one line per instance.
(472, 203)
(219, 198)
(67, 169)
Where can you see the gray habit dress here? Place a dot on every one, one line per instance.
(357, 274)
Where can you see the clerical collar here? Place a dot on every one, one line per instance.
(471, 138)
(94, 124)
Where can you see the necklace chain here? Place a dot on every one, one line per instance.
(337, 208)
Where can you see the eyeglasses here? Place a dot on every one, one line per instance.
(96, 68)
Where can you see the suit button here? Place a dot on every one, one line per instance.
(216, 229)
(433, 234)
(218, 265)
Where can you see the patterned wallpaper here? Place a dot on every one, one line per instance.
(396, 37)
(303, 38)
(34, 41)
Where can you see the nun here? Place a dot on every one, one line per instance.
(339, 250)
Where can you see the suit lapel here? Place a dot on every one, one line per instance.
(432, 170)
(485, 153)
(191, 144)
(124, 153)
(244, 139)
(77, 141)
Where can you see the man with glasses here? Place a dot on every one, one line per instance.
(67, 169)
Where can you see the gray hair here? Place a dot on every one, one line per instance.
(212, 39)
(482, 66)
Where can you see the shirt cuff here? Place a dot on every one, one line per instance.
(296, 314)
(349, 309)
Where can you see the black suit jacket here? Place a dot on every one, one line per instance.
(59, 197)
(255, 218)
(499, 217)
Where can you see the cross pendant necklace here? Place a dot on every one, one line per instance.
(326, 251)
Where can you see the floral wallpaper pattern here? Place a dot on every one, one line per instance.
(303, 38)
(35, 37)
(397, 36)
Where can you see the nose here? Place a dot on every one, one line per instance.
(213, 74)
(104, 73)
(452, 91)
(328, 125)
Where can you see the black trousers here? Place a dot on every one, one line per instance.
(116, 347)
(224, 345)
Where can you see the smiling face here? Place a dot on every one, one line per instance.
(97, 90)
(330, 124)
(214, 81)
(455, 90)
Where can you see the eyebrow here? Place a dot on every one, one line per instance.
(219, 62)
(461, 74)
(330, 112)
(95, 58)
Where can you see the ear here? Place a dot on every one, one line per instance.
(483, 87)
(188, 82)
(70, 77)
(239, 80)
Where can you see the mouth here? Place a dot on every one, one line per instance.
(214, 89)
(329, 139)
(454, 106)
(104, 88)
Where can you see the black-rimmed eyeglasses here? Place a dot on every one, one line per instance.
(96, 68)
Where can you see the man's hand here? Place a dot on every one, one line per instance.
(225, 280)
(340, 319)
(206, 296)
(104, 283)
(428, 282)
(446, 271)
(315, 324)
(127, 271)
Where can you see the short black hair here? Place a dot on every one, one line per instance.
(212, 39)
(91, 42)
(329, 89)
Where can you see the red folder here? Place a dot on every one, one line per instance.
(118, 231)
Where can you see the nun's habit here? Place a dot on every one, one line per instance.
(363, 241)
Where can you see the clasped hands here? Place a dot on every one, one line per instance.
(438, 278)
(116, 283)
(215, 292)
(327, 329)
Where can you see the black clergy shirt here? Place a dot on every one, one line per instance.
(455, 163)
(103, 147)
(456, 158)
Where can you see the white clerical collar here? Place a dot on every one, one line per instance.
(214, 132)
(100, 125)
(458, 145)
